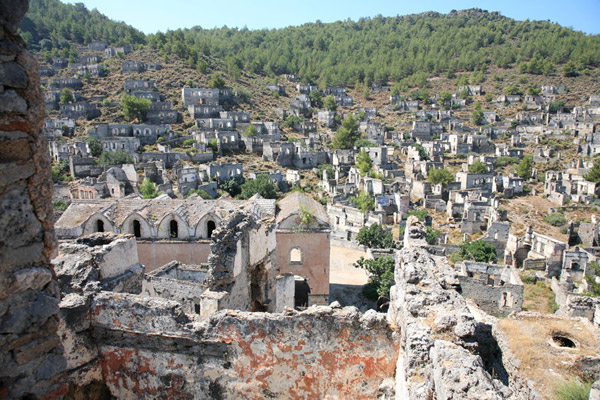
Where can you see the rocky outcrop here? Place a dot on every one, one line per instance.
(438, 357)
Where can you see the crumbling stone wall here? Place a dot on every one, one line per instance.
(30, 354)
(438, 357)
(149, 350)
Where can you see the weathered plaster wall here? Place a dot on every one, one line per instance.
(320, 353)
(315, 258)
(30, 355)
(156, 254)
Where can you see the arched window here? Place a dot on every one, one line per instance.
(296, 256)
(210, 227)
(173, 229)
(99, 225)
(137, 229)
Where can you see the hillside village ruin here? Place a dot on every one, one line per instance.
(198, 294)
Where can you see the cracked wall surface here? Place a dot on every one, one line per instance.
(31, 357)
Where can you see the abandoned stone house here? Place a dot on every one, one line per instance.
(560, 186)
(205, 96)
(472, 90)
(111, 52)
(305, 89)
(496, 289)
(133, 67)
(54, 127)
(132, 85)
(68, 83)
(97, 45)
(151, 95)
(344, 100)
(95, 70)
(80, 110)
(166, 229)
(279, 89)
(302, 249)
(162, 112)
(204, 110)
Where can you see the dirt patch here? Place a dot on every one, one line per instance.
(543, 360)
(341, 269)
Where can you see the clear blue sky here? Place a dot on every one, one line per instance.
(151, 16)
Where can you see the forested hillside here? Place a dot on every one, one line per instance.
(405, 49)
(50, 23)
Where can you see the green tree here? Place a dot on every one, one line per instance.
(421, 214)
(66, 97)
(364, 202)
(216, 82)
(316, 98)
(118, 157)
(594, 173)
(95, 146)
(251, 131)
(232, 187)
(431, 235)
(477, 115)
(381, 276)
(347, 134)
(261, 185)
(479, 250)
(444, 100)
(330, 103)
(202, 66)
(148, 190)
(363, 163)
(525, 167)
(364, 143)
(200, 192)
(421, 149)
(325, 167)
(440, 175)
(570, 70)
(134, 108)
(477, 167)
(375, 237)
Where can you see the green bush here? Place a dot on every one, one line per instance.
(376, 237)
(59, 205)
(420, 214)
(479, 250)
(573, 389)
(555, 219)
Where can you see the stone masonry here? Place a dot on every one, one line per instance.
(32, 359)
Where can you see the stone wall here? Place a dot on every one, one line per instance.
(31, 356)
(155, 254)
(241, 355)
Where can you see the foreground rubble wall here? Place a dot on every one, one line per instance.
(31, 357)
(149, 349)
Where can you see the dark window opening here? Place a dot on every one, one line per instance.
(99, 226)
(197, 308)
(302, 290)
(210, 227)
(173, 229)
(137, 229)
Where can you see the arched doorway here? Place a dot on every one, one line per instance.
(173, 229)
(210, 227)
(99, 225)
(137, 229)
(302, 290)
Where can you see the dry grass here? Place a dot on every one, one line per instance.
(538, 297)
(530, 341)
